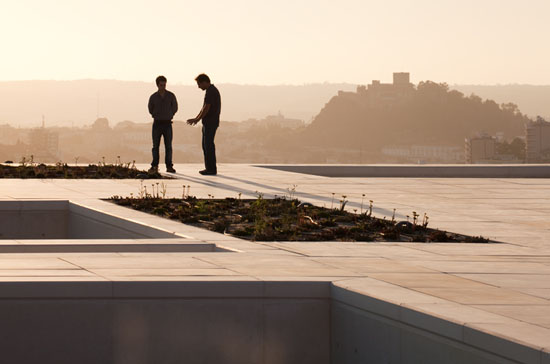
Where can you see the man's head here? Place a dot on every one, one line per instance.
(161, 83)
(203, 81)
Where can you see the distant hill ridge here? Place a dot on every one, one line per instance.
(532, 100)
(76, 102)
(429, 114)
(81, 102)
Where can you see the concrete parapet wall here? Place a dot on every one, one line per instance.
(421, 171)
(365, 329)
(179, 322)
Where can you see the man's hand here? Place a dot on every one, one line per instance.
(192, 121)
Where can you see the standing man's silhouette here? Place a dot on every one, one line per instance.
(162, 107)
(210, 115)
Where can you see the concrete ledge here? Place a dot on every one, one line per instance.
(358, 318)
(420, 171)
(109, 247)
(163, 289)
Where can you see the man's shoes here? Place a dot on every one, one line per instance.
(205, 172)
(170, 170)
(153, 170)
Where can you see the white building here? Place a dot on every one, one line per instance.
(537, 141)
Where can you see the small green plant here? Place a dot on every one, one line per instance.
(163, 188)
(415, 218)
(343, 202)
(371, 203)
(141, 189)
(292, 192)
(425, 221)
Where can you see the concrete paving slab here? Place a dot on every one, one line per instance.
(524, 281)
(534, 314)
(482, 295)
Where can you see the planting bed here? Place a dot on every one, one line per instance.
(283, 219)
(115, 171)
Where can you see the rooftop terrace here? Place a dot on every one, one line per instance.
(216, 298)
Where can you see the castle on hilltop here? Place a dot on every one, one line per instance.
(384, 94)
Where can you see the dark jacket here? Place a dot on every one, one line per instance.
(212, 97)
(163, 108)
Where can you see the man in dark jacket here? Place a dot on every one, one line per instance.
(162, 107)
(210, 115)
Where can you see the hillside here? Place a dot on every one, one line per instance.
(430, 115)
(531, 99)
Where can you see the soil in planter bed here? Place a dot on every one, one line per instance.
(282, 219)
(91, 171)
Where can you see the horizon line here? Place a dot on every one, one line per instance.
(267, 85)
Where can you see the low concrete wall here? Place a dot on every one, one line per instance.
(420, 171)
(66, 220)
(34, 219)
(152, 322)
(368, 330)
(85, 223)
(359, 336)
(231, 322)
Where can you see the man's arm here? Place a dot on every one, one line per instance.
(151, 105)
(174, 105)
(204, 111)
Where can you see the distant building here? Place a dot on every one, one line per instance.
(342, 93)
(537, 141)
(383, 94)
(437, 153)
(44, 145)
(278, 120)
(481, 149)
(282, 121)
(101, 124)
(425, 153)
(401, 79)
(9, 135)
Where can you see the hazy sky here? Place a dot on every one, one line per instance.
(277, 41)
